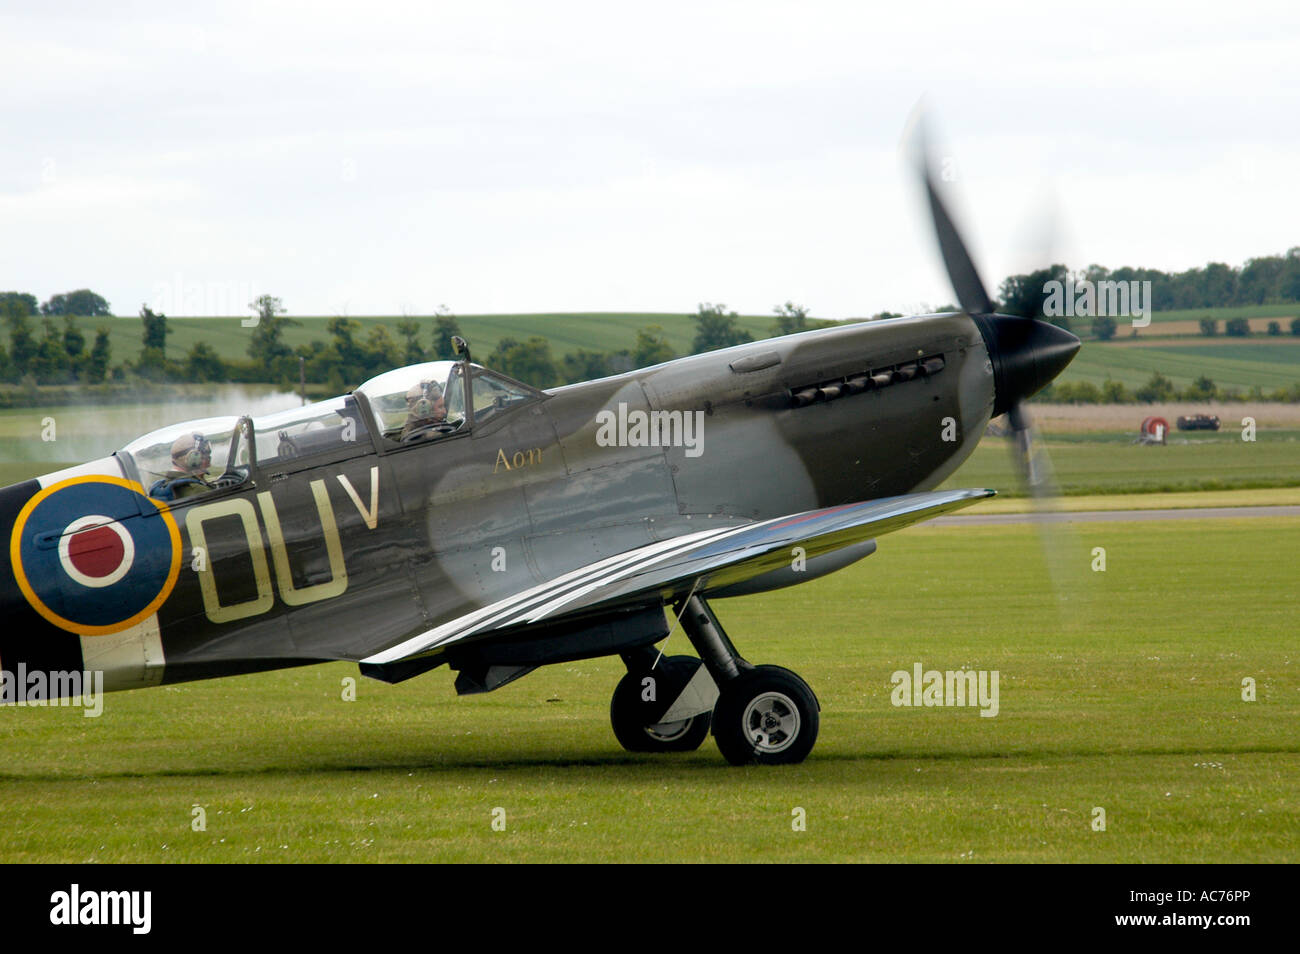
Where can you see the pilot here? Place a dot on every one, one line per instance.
(191, 458)
(425, 406)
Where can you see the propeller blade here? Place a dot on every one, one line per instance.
(963, 274)
(1056, 537)
(1026, 354)
(1032, 462)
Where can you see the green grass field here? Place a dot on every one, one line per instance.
(1283, 313)
(1112, 464)
(1127, 696)
(1268, 363)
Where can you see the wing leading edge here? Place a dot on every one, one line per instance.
(702, 561)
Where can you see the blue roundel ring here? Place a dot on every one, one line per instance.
(95, 555)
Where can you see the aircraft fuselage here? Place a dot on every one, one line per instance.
(341, 555)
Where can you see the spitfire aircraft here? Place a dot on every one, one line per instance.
(447, 514)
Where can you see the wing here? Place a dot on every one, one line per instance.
(699, 562)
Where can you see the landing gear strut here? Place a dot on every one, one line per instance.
(762, 714)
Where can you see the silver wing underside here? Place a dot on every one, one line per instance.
(702, 562)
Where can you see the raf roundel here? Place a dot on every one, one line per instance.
(94, 555)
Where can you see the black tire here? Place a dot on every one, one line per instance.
(635, 721)
(767, 715)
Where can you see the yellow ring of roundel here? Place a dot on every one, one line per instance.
(15, 558)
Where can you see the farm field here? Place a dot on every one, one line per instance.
(1187, 321)
(1110, 463)
(1239, 363)
(1286, 310)
(1118, 698)
(1123, 420)
(566, 332)
(1192, 329)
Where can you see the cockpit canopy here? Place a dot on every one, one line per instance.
(395, 396)
(406, 395)
(198, 453)
(151, 455)
(406, 405)
(305, 431)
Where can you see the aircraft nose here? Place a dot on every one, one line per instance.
(1026, 355)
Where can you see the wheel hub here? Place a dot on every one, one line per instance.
(668, 731)
(771, 722)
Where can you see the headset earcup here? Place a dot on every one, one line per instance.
(194, 457)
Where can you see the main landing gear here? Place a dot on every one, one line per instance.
(762, 714)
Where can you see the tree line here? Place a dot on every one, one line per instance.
(1270, 279)
(57, 352)
(47, 346)
(1240, 327)
(1158, 389)
(346, 359)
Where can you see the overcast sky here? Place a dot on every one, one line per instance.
(373, 158)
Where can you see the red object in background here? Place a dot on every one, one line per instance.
(1154, 430)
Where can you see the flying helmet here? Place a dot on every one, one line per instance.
(420, 398)
(192, 454)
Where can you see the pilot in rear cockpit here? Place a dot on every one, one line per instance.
(425, 407)
(191, 458)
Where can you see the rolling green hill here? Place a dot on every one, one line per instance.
(566, 332)
(1268, 362)
(1240, 363)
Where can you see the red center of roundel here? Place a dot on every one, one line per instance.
(96, 552)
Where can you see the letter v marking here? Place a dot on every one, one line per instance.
(371, 516)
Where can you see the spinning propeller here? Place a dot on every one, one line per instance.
(1026, 353)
